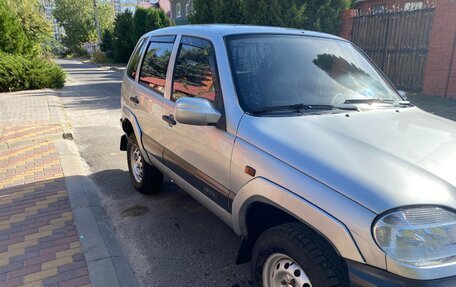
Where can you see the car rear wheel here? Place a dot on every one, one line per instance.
(291, 255)
(145, 178)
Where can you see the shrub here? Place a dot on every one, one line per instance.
(100, 58)
(20, 73)
(45, 74)
(106, 41)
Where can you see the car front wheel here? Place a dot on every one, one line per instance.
(293, 255)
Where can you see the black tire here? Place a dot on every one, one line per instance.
(152, 178)
(320, 263)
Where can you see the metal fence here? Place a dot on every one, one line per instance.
(90, 48)
(398, 43)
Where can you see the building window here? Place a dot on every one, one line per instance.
(379, 8)
(178, 10)
(413, 5)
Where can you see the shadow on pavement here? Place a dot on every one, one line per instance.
(171, 231)
(105, 95)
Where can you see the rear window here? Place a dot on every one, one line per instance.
(134, 59)
(155, 65)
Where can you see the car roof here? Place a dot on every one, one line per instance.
(230, 29)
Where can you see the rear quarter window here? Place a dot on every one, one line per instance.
(134, 59)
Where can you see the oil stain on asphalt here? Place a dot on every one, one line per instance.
(135, 210)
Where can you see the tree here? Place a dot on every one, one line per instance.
(141, 20)
(203, 12)
(13, 38)
(123, 42)
(319, 15)
(227, 11)
(216, 11)
(290, 13)
(106, 15)
(324, 15)
(149, 19)
(77, 18)
(128, 29)
(36, 26)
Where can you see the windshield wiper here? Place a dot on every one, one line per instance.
(367, 101)
(294, 108)
(377, 101)
(298, 108)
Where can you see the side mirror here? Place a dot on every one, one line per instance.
(196, 111)
(403, 94)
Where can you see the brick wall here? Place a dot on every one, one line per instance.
(440, 71)
(347, 23)
(441, 57)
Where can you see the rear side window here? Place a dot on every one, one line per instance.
(195, 74)
(155, 65)
(134, 59)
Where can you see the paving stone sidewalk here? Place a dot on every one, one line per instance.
(39, 243)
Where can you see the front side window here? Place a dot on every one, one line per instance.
(195, 74)
(155, 65)
(134, 60)
(282, 70)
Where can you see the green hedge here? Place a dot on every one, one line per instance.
(21, 73)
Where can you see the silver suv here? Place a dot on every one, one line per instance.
(298, 142)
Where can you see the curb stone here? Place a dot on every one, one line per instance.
(119, 68)
(105, 260)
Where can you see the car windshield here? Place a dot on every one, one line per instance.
(283, 70)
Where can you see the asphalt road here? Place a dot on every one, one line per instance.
(170, 239)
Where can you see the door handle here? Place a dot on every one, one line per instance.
(134, 100)
(169, 119)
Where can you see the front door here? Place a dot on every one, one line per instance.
(199, 154)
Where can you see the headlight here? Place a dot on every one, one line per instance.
(420, 236)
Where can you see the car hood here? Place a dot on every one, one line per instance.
(381, 159)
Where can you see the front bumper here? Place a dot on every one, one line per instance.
(362, 275)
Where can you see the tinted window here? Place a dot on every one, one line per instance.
(134, 60)
(287, 70)
(195, 74)
(155, 65)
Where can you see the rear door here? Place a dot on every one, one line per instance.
(130, 76)
(149, 92)
(199, 154)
